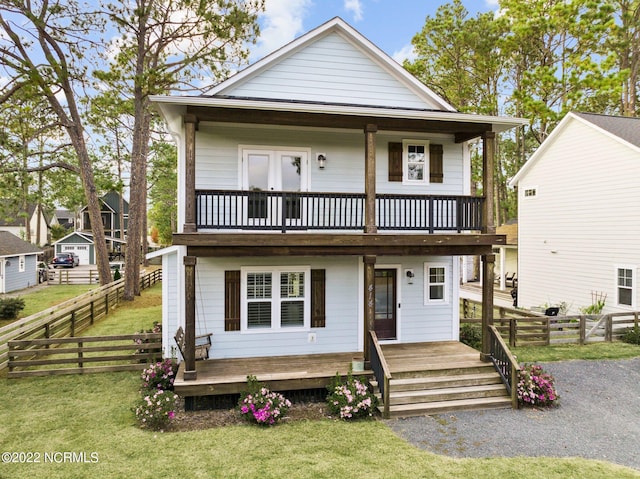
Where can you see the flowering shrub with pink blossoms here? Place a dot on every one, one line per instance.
(261, 406)
(157, 405)
(160, 375)
(351, 399)
(535, 386)
(156, 409)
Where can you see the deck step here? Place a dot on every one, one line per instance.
(444, 369)
(441, 407)
(445, 394)
(439, 382)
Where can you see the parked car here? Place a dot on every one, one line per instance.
(67, 260)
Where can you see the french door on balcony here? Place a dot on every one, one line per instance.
(268, 175)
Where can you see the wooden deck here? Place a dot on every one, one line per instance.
(280, 373)
(288, 373)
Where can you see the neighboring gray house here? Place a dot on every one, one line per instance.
(578, 215)
(81, 243)
(78, 243)
(18, 263)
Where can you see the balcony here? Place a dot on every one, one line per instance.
(305, 211)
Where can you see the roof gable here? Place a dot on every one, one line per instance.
(11, 245)
(624, 130)
(332, 64)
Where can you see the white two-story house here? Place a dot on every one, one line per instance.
(324, 193)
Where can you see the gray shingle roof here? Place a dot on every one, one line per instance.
(627, 128)
(11, 245)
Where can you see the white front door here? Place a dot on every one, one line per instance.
(267, 171)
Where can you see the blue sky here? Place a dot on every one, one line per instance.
(390, 24)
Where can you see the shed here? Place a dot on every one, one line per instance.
(18, 263)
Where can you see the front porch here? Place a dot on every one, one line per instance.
(427, 378)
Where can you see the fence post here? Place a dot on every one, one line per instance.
(465, 308)
(80, 362)
(583, 328)
(92, 309)
(73, 323)
(513, 324)
(548, 325)
(608, 335)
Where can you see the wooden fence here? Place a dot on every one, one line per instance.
(71, 317)
(525, 328)
(79, 355)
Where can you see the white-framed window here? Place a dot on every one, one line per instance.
(415, 161)
(275, 299)
(21, 264)
(436, 279)
(625, 286)
(530, 192)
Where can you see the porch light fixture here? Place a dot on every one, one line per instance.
(410, 275)
(321, 158)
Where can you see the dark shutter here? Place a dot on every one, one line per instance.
(232, 300)
(318, 300)
(395, 161)
(436, 171)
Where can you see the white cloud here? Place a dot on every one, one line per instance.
(405, 53)
(280, 23)
(355, 7)
(492, 3)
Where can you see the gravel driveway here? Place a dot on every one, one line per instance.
(598, 418)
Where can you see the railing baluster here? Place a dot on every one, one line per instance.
(277, 210)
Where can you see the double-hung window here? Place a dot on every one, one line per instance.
(415, 158)
(435, 283)
(625, 286)
(275, 298)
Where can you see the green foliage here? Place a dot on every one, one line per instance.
(471, 335)
(632, 336)
(155, 409)
(10, 307)
(163, 183)
(595, 308)
(351, 398)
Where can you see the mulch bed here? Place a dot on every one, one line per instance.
(199, 420)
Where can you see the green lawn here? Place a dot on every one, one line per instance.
(91, 414)
(564, 352)
(48, 296)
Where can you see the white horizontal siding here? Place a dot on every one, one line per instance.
(339, 335)
(217, 159)
(583, 221)
(330, 70)
(172, 308)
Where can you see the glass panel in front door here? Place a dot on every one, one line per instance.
(385, 307)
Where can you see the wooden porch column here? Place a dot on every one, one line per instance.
(488, 262)
(370, 179)
(190, 317)
(369, 302)
(190, 127)
(488, 161)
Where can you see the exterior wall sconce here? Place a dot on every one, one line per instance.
(322, 159)
(410, 275)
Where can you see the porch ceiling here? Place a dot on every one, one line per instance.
(462, 130)
(318, 244)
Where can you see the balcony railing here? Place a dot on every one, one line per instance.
(290, 211)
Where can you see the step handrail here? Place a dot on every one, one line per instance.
(381, 371)
(505, 363)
